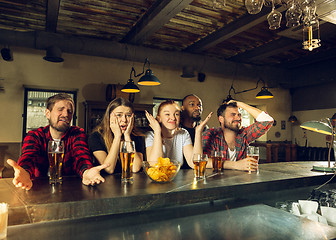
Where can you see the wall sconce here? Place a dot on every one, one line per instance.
(324, 128)
(263, 94)
(292, 119)
(147, 80)
(53, 54)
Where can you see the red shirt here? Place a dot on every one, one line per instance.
(34, 157)
(213, 139)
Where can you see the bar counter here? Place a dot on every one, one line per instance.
(73, 200)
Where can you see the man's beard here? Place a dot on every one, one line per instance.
(63, 128)
(232, 127)
(196, 118)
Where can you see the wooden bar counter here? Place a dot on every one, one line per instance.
(73, 200)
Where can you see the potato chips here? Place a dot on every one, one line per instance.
(163, 170)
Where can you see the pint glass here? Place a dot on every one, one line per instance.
(127, 152)
(55, 156)
(200, 161)
(253, 152)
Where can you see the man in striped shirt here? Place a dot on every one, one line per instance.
(33, 162)
(232, 139)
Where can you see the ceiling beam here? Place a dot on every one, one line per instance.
(52, 15)
(157, 16)
(269, 49)
(230, 30)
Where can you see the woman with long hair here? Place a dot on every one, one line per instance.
(116, 126)
(169, 140)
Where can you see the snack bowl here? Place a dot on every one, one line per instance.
(162, 171)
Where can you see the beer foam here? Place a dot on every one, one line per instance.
(3, 207)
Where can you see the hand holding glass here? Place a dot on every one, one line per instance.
(55, 156)
(127, 152)
(200, 161)
(253, 152)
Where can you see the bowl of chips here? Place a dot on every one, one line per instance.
(163, 171)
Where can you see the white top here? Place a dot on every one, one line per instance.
(172, 147)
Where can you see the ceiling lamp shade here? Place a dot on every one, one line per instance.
(317, 126)
(264, 94)
(149, 79)
(130, 87)
(53, 54)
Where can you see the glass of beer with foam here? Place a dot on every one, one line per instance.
(127, 152)
(253, 152)
(55, 156)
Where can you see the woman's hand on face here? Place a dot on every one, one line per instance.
(202, 124)
(153, 123)
(114, 126)
(129, 126)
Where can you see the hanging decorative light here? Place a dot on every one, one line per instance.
(297, 11)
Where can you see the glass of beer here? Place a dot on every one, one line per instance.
(127, 152)
(217, 161)
(55, 156)
(3, 220)
(253, 152)
(200, 161)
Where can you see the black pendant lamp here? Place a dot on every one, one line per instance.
(264, 94)
(148, 79)
(130, 87)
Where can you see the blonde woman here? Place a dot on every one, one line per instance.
(116, 126)
(168, 140)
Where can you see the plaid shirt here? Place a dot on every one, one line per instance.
(34, 157)
(213, 139)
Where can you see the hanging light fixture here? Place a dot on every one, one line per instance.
(148, 79)
(297, 10)
(263, 94)
(130, 86)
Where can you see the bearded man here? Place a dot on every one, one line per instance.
(191, 114)
(233, 139)
(33, 162)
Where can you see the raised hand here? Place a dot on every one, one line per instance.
(114, 125)
(92, 176)
(153, 123)
(202, 124)
(21, 176)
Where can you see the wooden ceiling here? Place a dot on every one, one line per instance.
(228, 33)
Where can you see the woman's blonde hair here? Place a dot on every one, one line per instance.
(104, 127)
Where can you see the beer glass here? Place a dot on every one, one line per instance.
(3, 220)
(217, 161)
(200, 161)
(55, 156)
(253, 152)
(127, 152)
